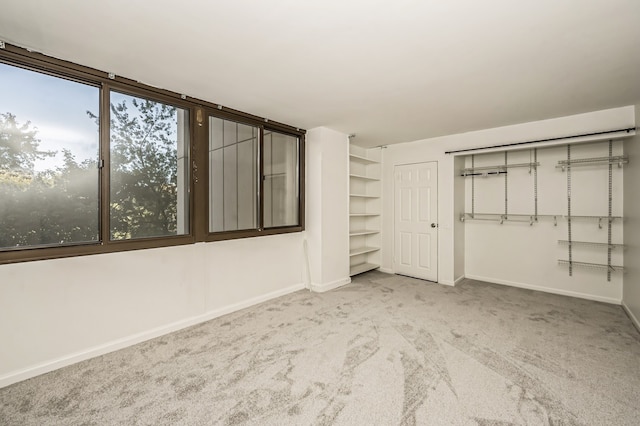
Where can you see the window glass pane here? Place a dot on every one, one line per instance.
(280, 180)
(49, 139)
(233, 176)
(149, 148)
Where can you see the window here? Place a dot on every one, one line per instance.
(246, 161)
(92, 163)
(233, 176)
(149, 193)
(49, 181)
(280, 180)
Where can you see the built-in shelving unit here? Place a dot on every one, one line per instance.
(364, 209)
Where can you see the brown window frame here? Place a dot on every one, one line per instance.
(198, 171)
(205, 234)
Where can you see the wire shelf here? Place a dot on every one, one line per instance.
(612, 268)
(591, 244)
(495, 170)
(619, 160)
(531, 218)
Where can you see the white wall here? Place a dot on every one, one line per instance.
(56, 312)
(631, 296)
(328, 208)
(448, 209)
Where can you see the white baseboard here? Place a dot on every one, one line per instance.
(547, 289)
(45, 367)
(386, 270)
(321, 288)
(633, 318)
(452, 283)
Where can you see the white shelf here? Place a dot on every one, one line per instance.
(362, 250)
(362, 160)
(363, 232)
(364, 177)
(363, 196)
(362, 267)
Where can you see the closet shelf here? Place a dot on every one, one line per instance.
(356, 233)
(495, 170)
(362, 250)
(590, 243)
(363, 177)
(612, 268)
(619, 160)
(362, 267)
(362, 160)
(501, 217)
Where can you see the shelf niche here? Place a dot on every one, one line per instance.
(364, 209)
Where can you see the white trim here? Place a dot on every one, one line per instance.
(547, 289)
(386, 270)
(321, 288)
(459, 280)
(633, 318)
(114, 345)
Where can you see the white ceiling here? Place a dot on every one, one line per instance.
(389, 71)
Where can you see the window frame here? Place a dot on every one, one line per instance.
(262, 125)
(105, 151)
(198, 170)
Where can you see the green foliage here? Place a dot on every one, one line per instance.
(144, 167)
(60, 205)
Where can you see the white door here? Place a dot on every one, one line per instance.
(416, 220)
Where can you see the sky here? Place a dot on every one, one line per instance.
(56, 107)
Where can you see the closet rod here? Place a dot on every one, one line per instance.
(630, 129)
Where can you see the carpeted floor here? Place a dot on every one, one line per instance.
(386, 350)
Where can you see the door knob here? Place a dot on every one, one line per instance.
(434, 225)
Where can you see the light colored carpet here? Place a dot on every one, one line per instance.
(385, 350)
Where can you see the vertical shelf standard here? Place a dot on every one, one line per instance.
(364, 209)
